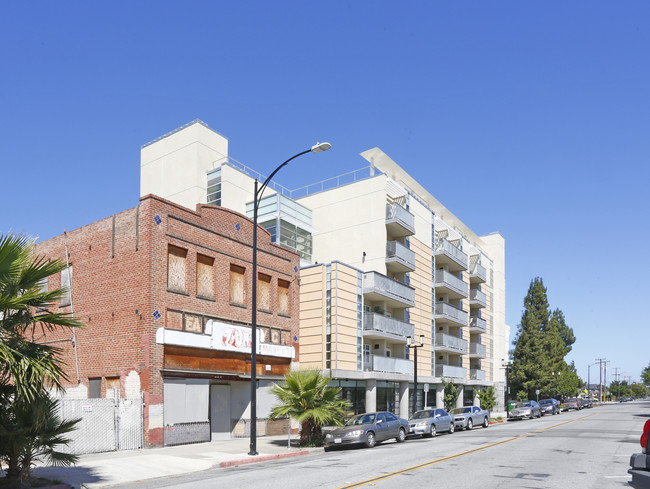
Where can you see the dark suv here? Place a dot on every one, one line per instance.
(549, 406)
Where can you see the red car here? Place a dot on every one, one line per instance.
(572, 403)
(640, 462)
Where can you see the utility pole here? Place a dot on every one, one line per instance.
(600, 384)
(618, 384)
(605, 363)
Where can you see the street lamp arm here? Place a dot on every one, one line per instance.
(258, 195)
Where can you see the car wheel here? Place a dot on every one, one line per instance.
(469, 424)
(328, 449)
(452, 427)
(433, 430)
(486, 423)
(370, 439)
(401, 436)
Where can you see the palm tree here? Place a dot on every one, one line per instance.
(306, 397)
(24, 307)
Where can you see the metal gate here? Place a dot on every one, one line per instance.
(106, 424)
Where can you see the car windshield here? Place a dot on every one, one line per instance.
(545, 402)
(361, 419)
(462, 410)
(523, 404)
(422, 414)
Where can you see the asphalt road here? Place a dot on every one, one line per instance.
(579, 449)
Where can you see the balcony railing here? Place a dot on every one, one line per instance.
(477, 325)
(446, 342)
(477, 350)
(451, 371)
(476, 374)
(478, 273)
(377, 363)
(477, 298)
(445, 248)
(399, 221)
(445, 279)
(392, 291)
(446, 311)
(401, 258)
(374, 323)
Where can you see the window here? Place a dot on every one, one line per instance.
(237, 285)
(174, 320)
(263, 292)
(193, 323)
(66, 286)
(185, 321)
(214, 187)
(176, 258)
(95, 388)
(112, 387)
(204, 276)
(283, 297)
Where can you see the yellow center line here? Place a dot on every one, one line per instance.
(456, 455)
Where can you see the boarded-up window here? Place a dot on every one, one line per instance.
(264, 292)
(112, 387)
(175, 320)
(66, 284)
(204, 276)
(193, 323)
(264, 334)
(176, 258)
(275, 336)
(237, 285)
(283, 297)
(95, 388)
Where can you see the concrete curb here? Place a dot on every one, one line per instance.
(263, 458)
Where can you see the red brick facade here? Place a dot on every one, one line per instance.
(120, 293)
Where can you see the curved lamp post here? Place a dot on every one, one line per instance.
(317, 148)
(411, 344)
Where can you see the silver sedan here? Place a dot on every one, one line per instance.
(428, 422)
(470, 416)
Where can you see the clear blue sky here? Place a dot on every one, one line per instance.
(527, 118)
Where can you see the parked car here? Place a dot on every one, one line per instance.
(640, 462)
(525, 409)
(572, 403)
(469, 416)
(428, 422)
(368, 429)
(586, 403)
(549, 406)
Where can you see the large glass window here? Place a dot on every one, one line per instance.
(214, 187)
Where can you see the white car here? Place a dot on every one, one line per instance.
(470, 416)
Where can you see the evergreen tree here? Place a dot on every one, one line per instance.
(645, 375)
(566, 333)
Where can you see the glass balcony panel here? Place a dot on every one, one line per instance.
(445, 311)
(476, 374)
(377, 363)
(451, 343)
(384, 326)
(456, 286)
(477, 298)
(477, 325)
(450, 253)
(399, 221)
(451, 371)
(380, 287)
(399, 257)
(477, 350)
(478, 274)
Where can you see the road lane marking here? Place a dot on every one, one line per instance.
(371, 482)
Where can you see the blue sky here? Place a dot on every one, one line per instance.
(527, 118)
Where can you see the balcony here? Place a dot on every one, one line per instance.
(444, 312)
(399, 221)
(477, 274)
(380, 288)
(447, 283)
(399, 258)
(477, 298)
(452, 256)
(476, 374)
(451, 371)
(451, 344)
(476, 350)
(377, 363)
(477, 325)
(378, 326)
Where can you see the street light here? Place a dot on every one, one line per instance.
(411, 344)
(317, 148)
(507, 365)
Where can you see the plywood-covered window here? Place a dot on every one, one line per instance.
(193, 323)
(176, 269)
(204, 276)
(174, 320)
(264, 292)
(237, 285)
(112, 387)
(283, 297)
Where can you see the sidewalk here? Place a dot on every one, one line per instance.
(106, 469)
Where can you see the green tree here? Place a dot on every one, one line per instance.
(29, 428)
(451, 392)
(305, 396)
(488, 398)
(568, 382)
(645, 375)
(638, 390)
(620, 389)
(543, 340)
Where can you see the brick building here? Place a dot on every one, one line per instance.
(164, 295)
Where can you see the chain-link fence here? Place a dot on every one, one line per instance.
(106, 424)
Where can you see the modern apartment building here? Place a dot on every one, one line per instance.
(383, 264)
